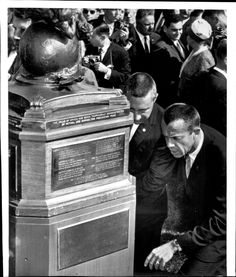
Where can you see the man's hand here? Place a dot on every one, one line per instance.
(98, 66)
(124, 34)
(160, 256)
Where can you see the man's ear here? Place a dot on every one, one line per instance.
(197, 130)
(155, 97)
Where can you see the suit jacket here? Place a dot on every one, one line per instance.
(168, 61)
(209, 97)
(197, 205)
(198, 63)
(119, 59)
(143, 142)
(140, 61)
(151, 209)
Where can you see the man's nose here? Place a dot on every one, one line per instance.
(170, 142)
(17, 34)
(137, 116)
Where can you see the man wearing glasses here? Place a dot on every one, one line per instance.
(91, 15)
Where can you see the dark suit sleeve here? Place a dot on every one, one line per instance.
(213, 228)
(159, 172)
(122, 69)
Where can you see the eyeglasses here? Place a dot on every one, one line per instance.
(86, 11)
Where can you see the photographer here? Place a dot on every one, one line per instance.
(108, 60)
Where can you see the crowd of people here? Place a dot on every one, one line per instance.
(172, 66)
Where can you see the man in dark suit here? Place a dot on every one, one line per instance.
(145, 133)
(168, 59)
(113, 67)
(196, 189)
(110, 17)
(142, 42)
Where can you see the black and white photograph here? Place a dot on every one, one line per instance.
(118, 138)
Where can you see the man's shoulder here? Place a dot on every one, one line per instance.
(117, 48)
(158, 108)
(157, 114)
(214, 138)
(154, 37)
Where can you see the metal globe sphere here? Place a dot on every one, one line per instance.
(44, 49)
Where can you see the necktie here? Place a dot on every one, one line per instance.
(187, 165)
(181, 51)
(146, 45)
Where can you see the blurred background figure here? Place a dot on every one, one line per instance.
(168, 59)
(209, 94)
(129, 16)
(160, 16)
(218, 21)
(91, 14)
(20, 21)
(109, 17)
(109, 61)
(200, 59)
(195, 14)
(143, 42)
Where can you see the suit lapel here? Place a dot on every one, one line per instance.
(107, 57)
(141, 133)
(174, 48)
(139, 44)
(145, 128)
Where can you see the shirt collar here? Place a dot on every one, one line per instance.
(221, 71)
(106, 46)
(201, 49)
(142, 36)
(194, 154)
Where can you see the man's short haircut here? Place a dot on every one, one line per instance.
(141, 13)
(172, 18)
(182, 111)
(140, 84)
(221, 50)
(212, 13)
(102, 29)
(196, 13)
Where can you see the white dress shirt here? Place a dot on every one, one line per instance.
(103, 52)
(141, 36)
(133, 130)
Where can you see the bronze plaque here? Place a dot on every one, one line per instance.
(87, 162)
(91, 117)
(93, 239)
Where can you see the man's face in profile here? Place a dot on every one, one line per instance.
(179, 139)
(142, 107)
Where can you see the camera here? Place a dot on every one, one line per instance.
(121, 25)
(91, 59)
